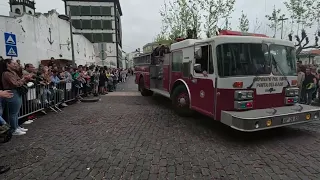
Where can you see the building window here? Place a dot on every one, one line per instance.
(76, 24)
(85, 11)
(86, 24)
(97, 37)
(107, 37)
(75, 10)
(107, 24)
(106, 11)
(95, 11)
(17, 11)
(88, 36)
(96, 24)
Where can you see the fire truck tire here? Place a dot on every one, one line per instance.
(142, 89)
(181, 102)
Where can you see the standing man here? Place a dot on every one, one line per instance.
(309, 83)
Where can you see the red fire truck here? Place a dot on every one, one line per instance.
(246, 81)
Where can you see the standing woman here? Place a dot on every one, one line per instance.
(13, 82)
(102, 81)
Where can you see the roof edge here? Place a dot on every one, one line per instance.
(119, 7)
(117, 2)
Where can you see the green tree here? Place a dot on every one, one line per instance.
(215, 10)
(302, 12)
(179, 16)
(243, 23)
(302, 41)
(274, 19)
(162, 39)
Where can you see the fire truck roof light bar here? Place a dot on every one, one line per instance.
(238, 33)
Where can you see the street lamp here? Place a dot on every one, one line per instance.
(282, 19)
(68, 18)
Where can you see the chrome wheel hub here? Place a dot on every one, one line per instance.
(182, 101)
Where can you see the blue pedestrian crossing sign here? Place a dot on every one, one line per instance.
(10, 41)
(11, 51)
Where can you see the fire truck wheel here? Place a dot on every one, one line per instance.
(180, 101)
(144, 91)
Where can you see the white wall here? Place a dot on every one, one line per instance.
(124, 62)
(32, 39)
(110, 54)
(130, 57)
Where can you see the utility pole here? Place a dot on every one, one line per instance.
(68, 18)
(227, 23)
(282, 20)
(71, 39)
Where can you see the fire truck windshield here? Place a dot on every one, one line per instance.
(249, 59)
(283, 60)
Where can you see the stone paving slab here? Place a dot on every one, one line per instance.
(134, 137)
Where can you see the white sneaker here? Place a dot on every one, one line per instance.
(18, 132)
(64, 105)
(28, 122)
(22, 129)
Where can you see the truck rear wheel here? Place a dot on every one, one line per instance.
(142, 89)
(180, 101)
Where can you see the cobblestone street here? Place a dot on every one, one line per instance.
(127, 136)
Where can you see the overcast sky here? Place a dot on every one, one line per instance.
(141, 21)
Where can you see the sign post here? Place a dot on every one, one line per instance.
(10, 42)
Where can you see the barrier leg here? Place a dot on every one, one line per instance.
(57, 108)
(51, 107)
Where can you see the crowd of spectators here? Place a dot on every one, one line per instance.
(308, 83)
(17, 80)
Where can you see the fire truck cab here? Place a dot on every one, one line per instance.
(247, 82)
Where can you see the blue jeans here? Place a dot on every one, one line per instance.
(2, 121)
(13, 106)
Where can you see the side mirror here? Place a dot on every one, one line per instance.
(197, 68)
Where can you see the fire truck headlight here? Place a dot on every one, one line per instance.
(257, 125)
(243, 95)
(249, 94)
(292, 91)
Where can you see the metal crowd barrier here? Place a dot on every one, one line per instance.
(43, 97)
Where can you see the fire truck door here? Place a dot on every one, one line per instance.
(202, 83)
(166, 72)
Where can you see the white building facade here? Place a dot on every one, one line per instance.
(123, 60)
(100, 22)
(42, 36)
(129, 58)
